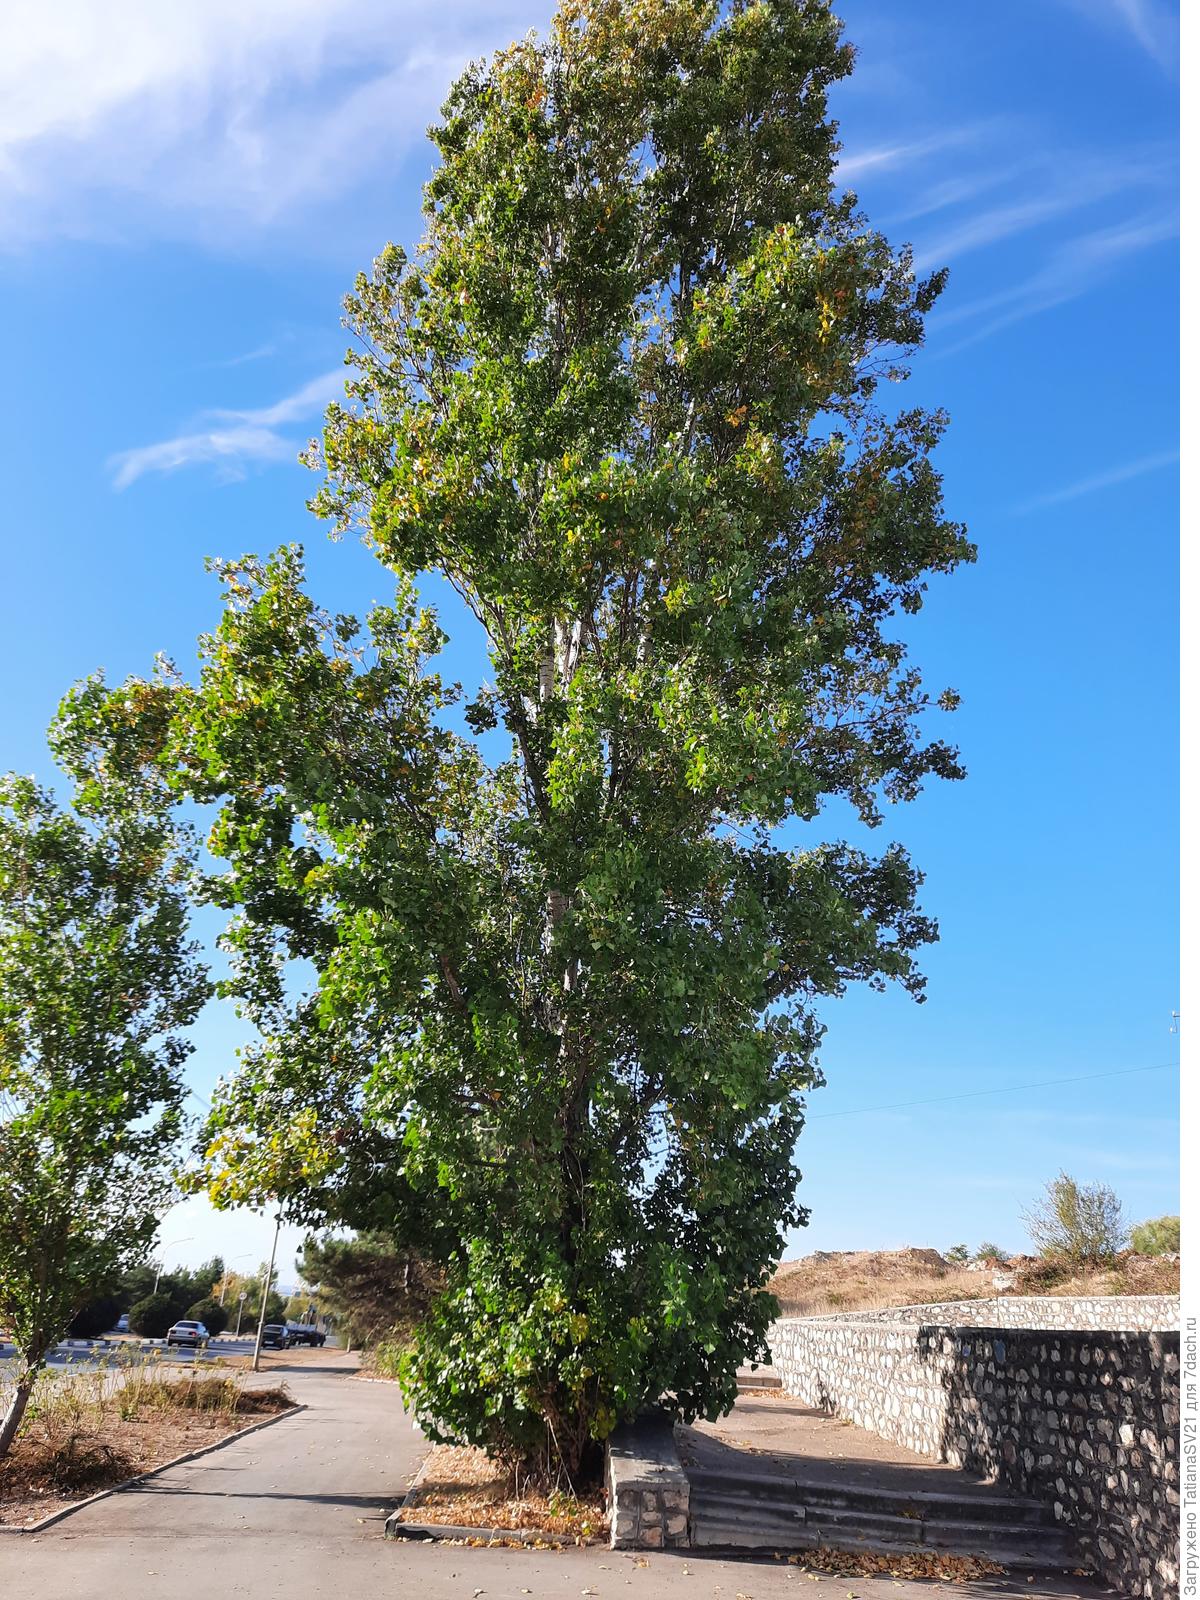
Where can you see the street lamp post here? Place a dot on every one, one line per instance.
(262, 1312)
(162, 1263)
(225, 1275)
(237, 1332)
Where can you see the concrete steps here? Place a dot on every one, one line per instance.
(760, 1511)
(749, 1378)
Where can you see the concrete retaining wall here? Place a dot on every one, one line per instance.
(1086, 1419)
(1134, 1313)
(649, 1495)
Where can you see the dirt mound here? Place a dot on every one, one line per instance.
(852, 1280)
(871, 1280)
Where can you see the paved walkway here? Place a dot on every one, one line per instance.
(774, 1432)
(298, 1508)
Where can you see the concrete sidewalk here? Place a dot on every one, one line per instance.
(298, 1509)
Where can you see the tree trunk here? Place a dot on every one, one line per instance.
(16, 1409)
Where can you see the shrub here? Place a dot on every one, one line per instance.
(991, 1252)
(1077, 1222)
(958, 1252)
(152, 1316)
(95, 1318)
(1158, 1237)
(211, 1313)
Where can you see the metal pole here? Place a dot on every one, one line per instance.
(225, 1276)
(237, 1332)
(186, 1240)
(262, 1310)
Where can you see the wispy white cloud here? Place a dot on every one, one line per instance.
(1152, 25)
(134, 116)
(310, 397)
(1102, 480)
(259, 353)
(1071, 184)
(243, 438)
(1072, 270)
(905, 153)
(230, 447)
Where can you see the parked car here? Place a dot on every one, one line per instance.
(305, 1333)
(122, 1323)
(189, 1333)
(276, 1335)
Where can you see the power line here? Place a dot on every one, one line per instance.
(1008, 1088)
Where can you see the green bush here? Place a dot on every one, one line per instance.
(1077, 1222)
(95, 1318)
(991, 1252)
(385, 1358)
(1158, 1237)
(152, 1316)
(958, 1252)
(211, 1313)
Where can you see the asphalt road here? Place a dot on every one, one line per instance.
(88, 1354)
(298, 1509)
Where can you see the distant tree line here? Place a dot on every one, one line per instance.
(193, 1292)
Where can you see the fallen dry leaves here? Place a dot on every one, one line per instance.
(459, 1486)
(914, 1564)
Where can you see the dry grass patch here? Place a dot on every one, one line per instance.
(458, 1486)
(84, 1432)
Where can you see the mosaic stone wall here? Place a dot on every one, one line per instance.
(1086, 1419)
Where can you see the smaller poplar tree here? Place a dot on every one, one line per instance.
(97, 977)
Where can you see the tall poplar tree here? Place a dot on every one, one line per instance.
(568, 938)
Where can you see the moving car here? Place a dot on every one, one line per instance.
(122, 1323)
(187, 1333)
(276, 1335)
(305, 1333)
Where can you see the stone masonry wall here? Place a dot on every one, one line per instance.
(649, 1497)
(1134, 1313)
(1086, 1420)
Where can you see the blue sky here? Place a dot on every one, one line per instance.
(186, 193)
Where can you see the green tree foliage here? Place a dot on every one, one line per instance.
(152, 1316)
(958, 1253)
(250, 1284)
(213, 1315)
(370, 1286)
(1077, 1223)
(1158, 1237)
(625, 401)
(96, 978)
(135, 1284)
(97, 1316)
(991, 1252)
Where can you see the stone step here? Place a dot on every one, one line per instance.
(965, 1504)
(758, 1378)
(745, 1521)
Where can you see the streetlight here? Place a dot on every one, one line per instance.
(262, 1314)
(162, 1252)
(225, 1275)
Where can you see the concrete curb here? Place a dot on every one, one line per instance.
(431, 1531)
(153, 1472)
